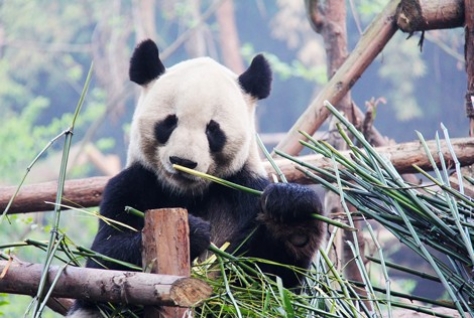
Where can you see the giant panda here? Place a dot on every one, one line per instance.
(200, 115)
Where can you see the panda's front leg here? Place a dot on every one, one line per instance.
(286, 211)
(199, 235)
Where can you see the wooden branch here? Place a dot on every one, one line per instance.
(59, 305)
(420, 15)
(469, 58)
(166, 251)
(402, 156)
(85, 192)
(105, 285)
(371, 43)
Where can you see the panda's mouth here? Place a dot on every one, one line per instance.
(182, 177)
(185, 177)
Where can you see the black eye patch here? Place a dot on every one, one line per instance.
(164, 128)
(215, 136)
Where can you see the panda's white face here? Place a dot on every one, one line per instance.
(194, 115)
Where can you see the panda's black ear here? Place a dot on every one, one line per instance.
(257, 79)
(145, 64)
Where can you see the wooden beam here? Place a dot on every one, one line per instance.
(421, 15)
(402, 156)
(105, 285)
(86, 192)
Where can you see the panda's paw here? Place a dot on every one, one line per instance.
(287, 203)
(287, 211)
(199, 235)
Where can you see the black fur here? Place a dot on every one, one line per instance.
(163, 129)
(257, 79)
(275, 198)
(215, 136)
(145, 64)
(281, 207)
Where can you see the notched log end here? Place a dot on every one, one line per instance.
(409, 16)
(189, 292)
(417, 15)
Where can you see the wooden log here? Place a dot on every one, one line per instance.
(105, 285)
(59, 305)
(86, 192)
(402, 156)
(469, 57)
(166, 251)
(421, 15)
(374, 39)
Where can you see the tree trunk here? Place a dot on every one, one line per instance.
(331, 16)
(469, 57)
(402, 156)
(229, 37)
(144, 18)
(196, 44)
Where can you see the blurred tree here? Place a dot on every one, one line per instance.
(229, 37)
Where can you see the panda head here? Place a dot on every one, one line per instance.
(197, 114)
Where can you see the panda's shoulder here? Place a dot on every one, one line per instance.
(250, 178)
(132, 179)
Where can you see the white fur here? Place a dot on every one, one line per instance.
(81, 313)
(196, 91)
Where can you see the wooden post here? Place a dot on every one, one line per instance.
(469, 57)
(166, 251)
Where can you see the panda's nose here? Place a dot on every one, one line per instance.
(183, 162)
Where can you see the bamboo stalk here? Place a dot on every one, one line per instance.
(54, 240)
